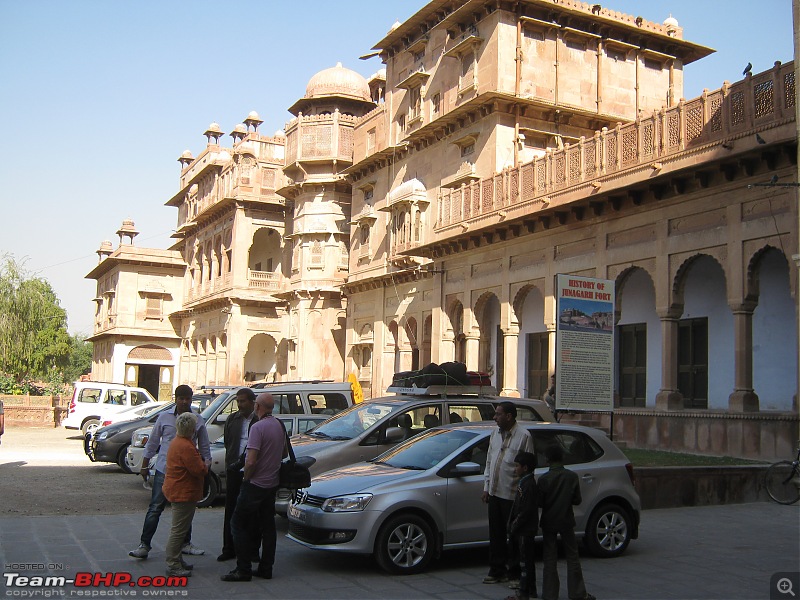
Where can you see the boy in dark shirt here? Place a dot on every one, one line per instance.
(523, 524)
(559, 490)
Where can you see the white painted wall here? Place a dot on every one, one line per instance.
(705, 296)
(638, 305)
(531, 321)
(774, 336)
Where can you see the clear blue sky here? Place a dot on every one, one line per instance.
(99, 98)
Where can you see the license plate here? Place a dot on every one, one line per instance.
(296, 513)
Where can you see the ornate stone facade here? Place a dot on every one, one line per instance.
(424, 214)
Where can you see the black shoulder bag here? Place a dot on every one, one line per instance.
(293, 476)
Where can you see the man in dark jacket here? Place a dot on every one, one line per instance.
(559, 491)
(523, 525)
(237, 428)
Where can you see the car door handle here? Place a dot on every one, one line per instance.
(588, 477)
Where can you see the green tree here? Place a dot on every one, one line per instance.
(80, 358)
(33, 326)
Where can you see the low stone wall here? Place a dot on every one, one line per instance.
(34, 411)
(767, 436)
(672, 487)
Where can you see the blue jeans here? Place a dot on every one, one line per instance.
(157, 503)
(255, 504)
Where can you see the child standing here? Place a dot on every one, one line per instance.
(559, 490)
(523, 524)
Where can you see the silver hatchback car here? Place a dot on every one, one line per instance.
(424, 496)
(366, 430)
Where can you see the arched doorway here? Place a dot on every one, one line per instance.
(151, 367)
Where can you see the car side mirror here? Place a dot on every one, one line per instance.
(394, 435)
(466, 468)
(221, 418)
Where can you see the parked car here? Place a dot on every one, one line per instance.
(110, 443)
(424, 496)
(371, 427)
(91, 400)
(322, 398)
(132, 413)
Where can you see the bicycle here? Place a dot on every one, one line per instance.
(783, 480)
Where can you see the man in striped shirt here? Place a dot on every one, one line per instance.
(499, 488)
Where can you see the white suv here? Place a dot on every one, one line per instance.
(93, 400)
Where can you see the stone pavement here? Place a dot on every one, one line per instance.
(713, 552)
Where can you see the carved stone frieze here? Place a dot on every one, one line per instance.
(698, 222)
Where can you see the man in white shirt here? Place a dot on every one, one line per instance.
(499, 488)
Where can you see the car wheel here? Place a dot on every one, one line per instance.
(608, 531)
(90, 426)
(405, 545)
(210, 490)
(121, 459)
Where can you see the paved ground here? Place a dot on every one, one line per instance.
(717, 552)
(720, 552)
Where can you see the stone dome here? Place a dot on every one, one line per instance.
(338, 81)
(240, 128)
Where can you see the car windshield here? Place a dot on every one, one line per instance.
(354, 421)
(211, 409)
(427, 449)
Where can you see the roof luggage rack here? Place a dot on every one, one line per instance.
(445, 390)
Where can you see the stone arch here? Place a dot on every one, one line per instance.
(676, 300)
(149, 352)
(265, 251)
(260, 358)
(753, 270)
(622, 279)
(520, 296)
(480, 306)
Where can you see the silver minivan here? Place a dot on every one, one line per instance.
(367, 429)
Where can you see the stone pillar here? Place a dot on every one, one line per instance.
(510, 350)
(743, 398)
(447, 349)
(668, 397)
(473, 351)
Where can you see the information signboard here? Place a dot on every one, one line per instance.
(585, 344)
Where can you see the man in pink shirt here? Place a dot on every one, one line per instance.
(266, 447)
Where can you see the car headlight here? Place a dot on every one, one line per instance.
(140, 439)
(107, 433)
(352, 503)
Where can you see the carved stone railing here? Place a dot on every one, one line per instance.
(264, 280)
(215, 286)
(751, 104)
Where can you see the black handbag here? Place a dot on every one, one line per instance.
(293, 476)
